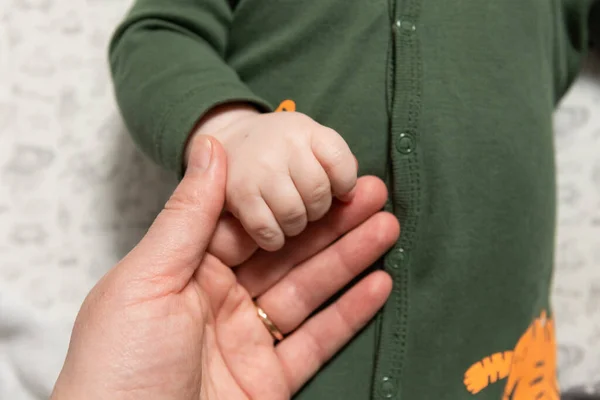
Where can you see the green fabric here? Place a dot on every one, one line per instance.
(450, 102)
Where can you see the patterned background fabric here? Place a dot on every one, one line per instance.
(75, 195)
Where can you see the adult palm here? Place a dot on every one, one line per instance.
(175, 321)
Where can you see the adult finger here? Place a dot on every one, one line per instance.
(311, 283)
(264, 269)
(306, 350)
(175, 244)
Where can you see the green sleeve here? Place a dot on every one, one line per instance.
(168, 68)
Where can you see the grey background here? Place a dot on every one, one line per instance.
(75, 195)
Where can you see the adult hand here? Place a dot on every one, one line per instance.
(171, 321)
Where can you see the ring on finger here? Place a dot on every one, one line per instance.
(271, 327)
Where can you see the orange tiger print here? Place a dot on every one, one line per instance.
(286, 105)
(530, 367)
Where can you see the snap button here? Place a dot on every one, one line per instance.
(405, 25)
(387, 387)
(400, 254)
(396, 257)
(405, 143)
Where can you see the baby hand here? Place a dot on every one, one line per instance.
(283, 170)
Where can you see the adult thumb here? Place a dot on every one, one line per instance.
(175, 244)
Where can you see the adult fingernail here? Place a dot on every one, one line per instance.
(202, 156)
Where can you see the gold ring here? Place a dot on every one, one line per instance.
(271, 327)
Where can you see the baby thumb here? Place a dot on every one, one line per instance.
(175, 244)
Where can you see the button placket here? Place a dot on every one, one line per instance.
(404, 142)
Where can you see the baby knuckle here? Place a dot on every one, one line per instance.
(293, 217)
(336, 156)
(294, 123)
(300, 118)
(239, 191)
(320, 193)
(332, 133)
(266, 234)
(268, 165)
(297, 142)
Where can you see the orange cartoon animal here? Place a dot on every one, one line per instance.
(530, 367)
(286, 105)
